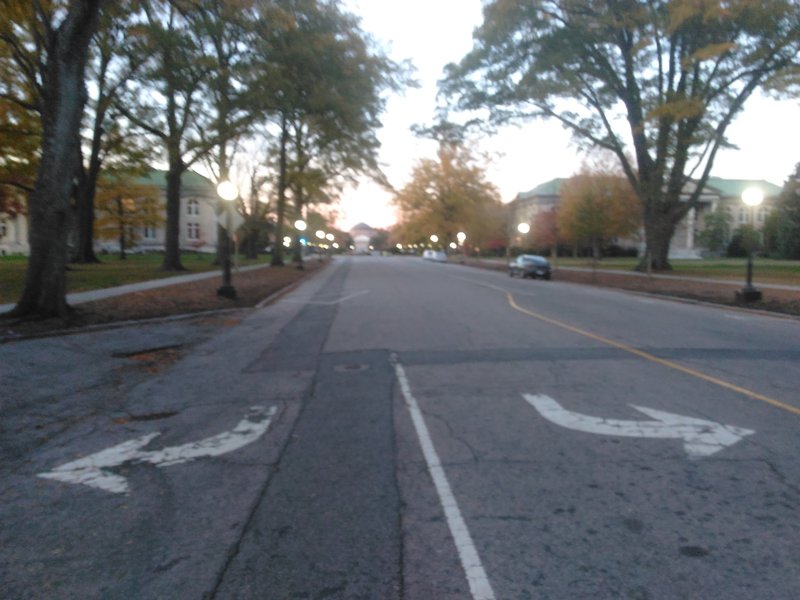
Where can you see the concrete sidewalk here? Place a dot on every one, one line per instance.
(101, 294)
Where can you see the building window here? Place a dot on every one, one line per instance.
(149, 233)
(192, 207)
(743, 215)
(193, 231)
(3, 230)
(762, 213)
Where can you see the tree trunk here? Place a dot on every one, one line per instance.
(63, 99)
(250, 242)
(595, 250)
(172, 251)
(83, 251)
(87, 189)
(277, 247)
(659, 230)
(298, 246)
(121, 215)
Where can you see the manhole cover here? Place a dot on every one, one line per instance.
(351, 368)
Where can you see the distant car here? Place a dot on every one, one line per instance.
(530, 265)
(434, 255)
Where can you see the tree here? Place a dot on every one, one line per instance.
(256, 228)
(324, 81)
(782, 226)
(20, 133)
(230, 30)
(745, 240)
(111, 67)
(125, 207)
(166, 100)
(447, 195)
(661, 78)
(61, 32)
(596, 207)
(380, 241)
(545, 232)
(717, 231)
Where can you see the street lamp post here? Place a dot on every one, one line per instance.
(228, 192)
(461, 237)
(300, 225)
(523, 228)
(752, 197)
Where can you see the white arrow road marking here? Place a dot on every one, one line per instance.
(91, 470)
(700, 437)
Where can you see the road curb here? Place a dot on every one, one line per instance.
(275, 296)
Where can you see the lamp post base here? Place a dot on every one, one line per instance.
(227, 291)
(748, 294)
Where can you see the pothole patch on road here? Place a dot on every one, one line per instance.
(154, 359)
(146, 417)
(351, 368)
(694, 551)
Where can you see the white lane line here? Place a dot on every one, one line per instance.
(470, 561)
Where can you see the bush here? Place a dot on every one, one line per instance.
(745, 239)
(616, 251)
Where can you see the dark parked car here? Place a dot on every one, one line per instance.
(530, 265)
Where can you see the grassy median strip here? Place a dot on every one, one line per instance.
(110, 272)
(767, 270)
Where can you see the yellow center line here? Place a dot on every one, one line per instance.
(655, 359)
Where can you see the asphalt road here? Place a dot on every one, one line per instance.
(395, 428)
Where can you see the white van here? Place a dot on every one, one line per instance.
(434, 255)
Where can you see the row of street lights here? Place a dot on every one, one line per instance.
(227, 191)
(460, 236)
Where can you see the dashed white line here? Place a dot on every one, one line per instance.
(479, 584)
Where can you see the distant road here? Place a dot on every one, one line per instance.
(395, 428)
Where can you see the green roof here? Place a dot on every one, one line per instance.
(735, 187)
(548, 188)
(725, 187)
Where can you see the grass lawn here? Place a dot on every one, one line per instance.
(765, 270)
(111, 272)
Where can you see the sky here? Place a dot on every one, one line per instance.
(433, 33)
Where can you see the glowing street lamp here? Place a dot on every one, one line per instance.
(320, 234)
(300, 225)
(228, 192)
(330, 237)
(461, 236)
(434, 238)
(522, 229)
(751, 197)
